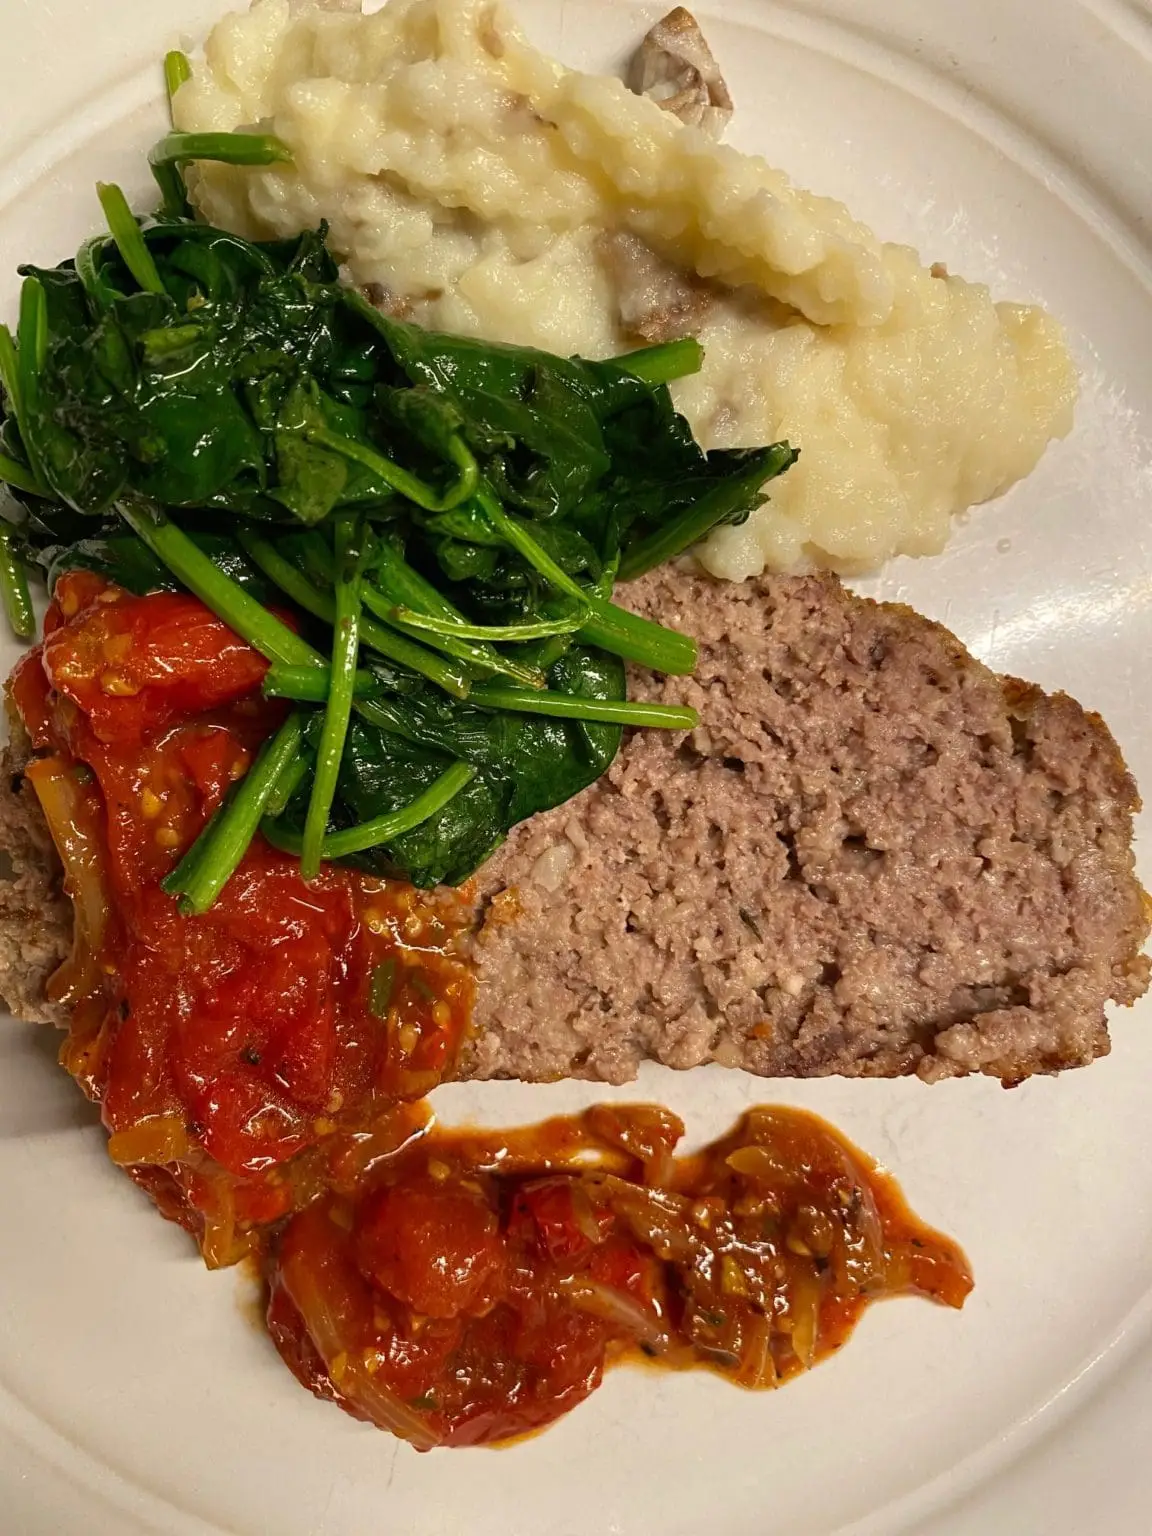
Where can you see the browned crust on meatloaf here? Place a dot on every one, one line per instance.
(873, 858)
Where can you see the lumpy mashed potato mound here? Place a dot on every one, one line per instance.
(474, 185)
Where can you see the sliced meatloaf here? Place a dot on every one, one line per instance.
(874, 857)
(35, 915)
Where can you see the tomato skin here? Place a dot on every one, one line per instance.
(31, 693)
(315, 1259)
(135, 664)
(414, 1355)
(242, 1019)
(74, 592)
(550, 1206)
(434, 1246)
(294, 1342)
(522, 1370)
(625, 1267)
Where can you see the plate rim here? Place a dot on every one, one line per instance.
(1132, 1339)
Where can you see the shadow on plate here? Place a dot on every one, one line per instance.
(37, 1097)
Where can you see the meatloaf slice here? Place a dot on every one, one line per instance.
(35, 915)
(874, 857)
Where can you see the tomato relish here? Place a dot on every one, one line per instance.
(261, 1069)
(474, 1285)
(231, 1052)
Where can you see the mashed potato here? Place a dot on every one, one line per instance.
(476, 185)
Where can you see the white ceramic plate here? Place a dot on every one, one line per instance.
(1011, 140)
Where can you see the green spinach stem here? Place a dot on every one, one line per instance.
(381, 829)
(31, 353)
(226, 598)
(175, 150)
(228, 148)
(404, 587)
(309, 685)
(454, 680)
(639, 640)
(9, 371)
(611, 628)
(540, 629)
(100, 292)
(568, 706)
(129, 241)
(176, 70)
(14, 590)
(472, 655)
(695, 522)
(20, 476)
(401, 480)
(664, 362)
(342, 682)
(287, 784)
(212, 859)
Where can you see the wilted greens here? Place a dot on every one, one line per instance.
(447, 517)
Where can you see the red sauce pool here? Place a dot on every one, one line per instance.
(475, 1285)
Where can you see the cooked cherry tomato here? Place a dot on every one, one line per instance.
(433, 1245)
(565, 1233)
(135, 664)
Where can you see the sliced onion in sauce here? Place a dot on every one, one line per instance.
(757, 1366)
(759, 1163)
(219, 1242)
(648, 1132)
(861, 1255)
(320, 1310)
(584, 1215)
(655, 1216)
(620, 1309)
(385, 1408)
(79, 847)
(804, 1318)
(158, 1140)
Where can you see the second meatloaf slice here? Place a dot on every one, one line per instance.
(874, 857)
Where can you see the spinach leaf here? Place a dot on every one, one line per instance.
(402, 742)
(57, 539)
